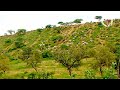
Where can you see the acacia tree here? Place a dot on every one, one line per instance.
(11, 31)
(70, 58)
(61, 23)
(21, 31)
(35, 59)
(103, 57)
(98, 17)
(78, 20)
(48, 26)
(31, 57)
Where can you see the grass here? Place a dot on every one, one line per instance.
(60, 72)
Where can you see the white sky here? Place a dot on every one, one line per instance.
(30, 20)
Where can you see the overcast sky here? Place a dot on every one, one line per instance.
(30, 20)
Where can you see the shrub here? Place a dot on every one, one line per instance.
(57, 38)
(89, 74)
(8, 41)
(21, 31)
(108, 74)
(63, 46)
(19, 42)
(46, 54)
(57, 29)
(48, 26)
(42, 75)
(11, 49)
(39, 30)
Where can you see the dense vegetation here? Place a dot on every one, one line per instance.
(90, 51)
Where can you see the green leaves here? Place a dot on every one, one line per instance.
(90, 74)
(98, 17)
(78, 20)
(69, 58)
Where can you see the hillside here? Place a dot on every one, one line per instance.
(90, 35)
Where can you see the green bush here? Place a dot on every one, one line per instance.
(63, 46)
(21, 31)
(41, 75)
(89, 74)
(39, 30)
(58, 29)
(46, 54)
(8, 41)
(57, 38)
(109, 74)
(11, 49)
(12, 58)
(48, 26)
(19, 44)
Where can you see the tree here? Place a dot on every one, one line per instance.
(117, 52)
(98, 17)
(103, 57)
(10, 31)
(19, 42)
(39, 30)
(61, 23)
(35, 59)
(78, 20)
(4, 63)
(49, 26)
(32, 57)
(26, 54)
(8, 41)
(70, 58)
(5, 34)
(21, 31)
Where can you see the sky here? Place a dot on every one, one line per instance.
(31, 20)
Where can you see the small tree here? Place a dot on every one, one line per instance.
(61, 23)
(98, 17)
(103, 57)
(78, 20)
(69, 58)
(117, 52)
(19, 42)
(8, 41)
(32, 57)
(4, 63)
(39, 30)
(35, 59)
(21, 31)
(49, 26)
(10, 31)
(26, 54)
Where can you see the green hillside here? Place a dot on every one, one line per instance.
(97, 48)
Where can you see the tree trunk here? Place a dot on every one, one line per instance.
(101, 71)
(119, 68)
(70, 71)
(4, 71)
(34, 68)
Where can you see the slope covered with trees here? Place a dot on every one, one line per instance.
(88, 50)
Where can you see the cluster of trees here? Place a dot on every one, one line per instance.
(76, 21)
(72, 57)
(69, 56)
